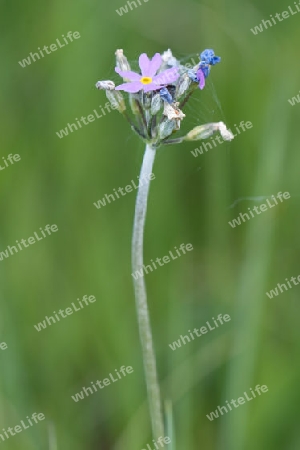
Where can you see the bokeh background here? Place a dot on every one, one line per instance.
(229, 271)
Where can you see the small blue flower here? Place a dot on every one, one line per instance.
(205, 69)
(165, 95)
(208, 57)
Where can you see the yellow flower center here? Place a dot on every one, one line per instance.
(146, 80)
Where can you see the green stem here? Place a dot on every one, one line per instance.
(141, 296)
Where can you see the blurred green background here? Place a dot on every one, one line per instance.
(229, 271)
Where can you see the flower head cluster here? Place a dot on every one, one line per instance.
(157, 94)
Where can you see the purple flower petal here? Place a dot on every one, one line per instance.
(154, 65)
(167, 77)
(134, 87)
(133, 76)
(201, 78)
(144, 63)
(151, 87)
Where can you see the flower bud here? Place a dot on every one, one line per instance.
(201, 132)
(168, 60)
(156, 104)
(106, 85)
(116, 100)
(166, 128)
(207, 130)
(184, 83)
(135, 104)
(122, 62)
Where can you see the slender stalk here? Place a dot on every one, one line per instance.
(141, 295)
(173, 141)
(52, 437)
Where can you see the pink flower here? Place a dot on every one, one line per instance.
(148, 81)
